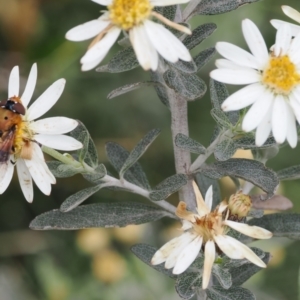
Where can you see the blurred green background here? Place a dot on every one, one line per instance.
(96, 263)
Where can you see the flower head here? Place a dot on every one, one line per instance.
(273, 83)
(294, 15)
(208, 230)
(148, 38)
(22, 137)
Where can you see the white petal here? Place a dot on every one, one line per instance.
(100, 49)
(91, 65)
(295, 104)
(13, 82)
(252, 231)
(144, 51)
(292, 136)
(264, 129)
(58, 142)
(291, 12)
(236, 250)
(46, 100)
(255, 42)
(166, 44)
(30, 86)
(187, 255)
(293, 51)
(237, 55)
(209, 198)
(186, 225)
(6, 170)
(209, 258)
(244, 97)
(242, 76)
(55, 125)
(25, 180)
(283, 40)
(86, 30)
(279, 119)
(202, 208)
(227, 64)
(185, 239)
(295, 29)
(39, 175)
(257, 111)
(167, 2)
(103, 2)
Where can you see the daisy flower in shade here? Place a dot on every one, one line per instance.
(207, 230)
(148, 38)
(272, 79)
(22, 136)
(294, 15)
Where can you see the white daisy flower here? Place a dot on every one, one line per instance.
(148, 38)
(293, 14)
(21, 136)
(206, 230)
(273, 83)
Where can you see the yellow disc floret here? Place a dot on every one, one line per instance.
(129, 13)
(281, 75)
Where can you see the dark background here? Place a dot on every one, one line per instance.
(96, 263)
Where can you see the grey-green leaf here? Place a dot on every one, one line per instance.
(98, 215)
(76, 199)
(161, 89)
(166, 11)
(222, 275)
(199, 34)
(61, 170)
(248, 142)
(184, 142)
(96, 177)
(117, 156)
(221, 118)
(225, 149)
(247, 169)
(235, 293)
(124, 60)
(242, 273)
(145, 253)
(290, 173)
(185, 66)
(204, 57)
(130, 87)
(169, 186)
(281, 225)
(139, 150)
(189, 86)
(187, 284)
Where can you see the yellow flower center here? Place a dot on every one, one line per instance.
(129, 13)
(281, 75)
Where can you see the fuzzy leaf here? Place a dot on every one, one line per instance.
(223, 276)
(218, 94)
(60, 170)
(169, 186)
(204, 57)
(123, 61)
(117, 156)
(145, 253)
(185, 142)
(248, 142)
(277, 202)
(76, 199)
(189, 86)
(221, 118)
(185, 66)
(161, 89)
(290, 173)
(98, 215)
(204, 183)
(130, 87)
(242, 273)
(89, 151)
(139, 150)
(199, 34)
(235, 293)
(214, 7)
(96, 177)
(247, 169)
(187, 284)
(282, 225)
(225, 149)
(166, 11)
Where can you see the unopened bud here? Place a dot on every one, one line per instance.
(239, 206)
